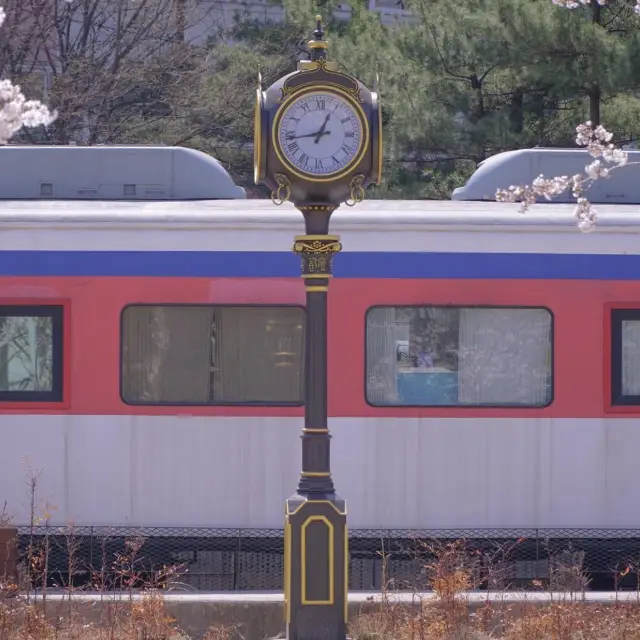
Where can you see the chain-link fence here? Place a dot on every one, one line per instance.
(210, 559)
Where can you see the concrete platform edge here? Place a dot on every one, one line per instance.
(257, 616)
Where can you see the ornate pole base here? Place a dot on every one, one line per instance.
(316, 571)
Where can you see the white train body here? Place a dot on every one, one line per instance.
(566, 461)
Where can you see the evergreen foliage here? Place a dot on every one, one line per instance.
(461, 81)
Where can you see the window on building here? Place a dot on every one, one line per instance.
(31, 353)
(625, 357)
(204, 355)
(386, 6)
(459, 356)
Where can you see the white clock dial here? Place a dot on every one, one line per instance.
(320, 133)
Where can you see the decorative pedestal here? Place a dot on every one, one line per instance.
(316, 568)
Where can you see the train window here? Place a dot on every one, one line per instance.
(31, 353)
(625, 357)
(203, 355)
(459, 356)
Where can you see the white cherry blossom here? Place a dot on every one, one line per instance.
(607, 158)
(575, 4)
(598, 143)
(15, 110)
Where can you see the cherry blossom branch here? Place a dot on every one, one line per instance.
(598, 143)
(575, 4)
(15, 110)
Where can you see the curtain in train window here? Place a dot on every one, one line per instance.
(434, 356)
(502, 356)
(270, 343)
(208, 355)
(382, 382)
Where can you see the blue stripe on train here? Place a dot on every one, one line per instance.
(347, 265)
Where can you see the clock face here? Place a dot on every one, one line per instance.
(320, 133)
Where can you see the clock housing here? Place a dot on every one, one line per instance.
(320, 134)
(317, 138)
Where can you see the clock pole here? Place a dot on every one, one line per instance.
(316, 543)
(315, 536)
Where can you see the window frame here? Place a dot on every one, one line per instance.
(390, 11)
(207, 404)
(615, 400)
(457, 407)
(58, 311)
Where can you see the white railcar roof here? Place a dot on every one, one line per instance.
(404, 215)
(112, 172)
(522, 166)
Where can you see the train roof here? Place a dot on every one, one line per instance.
(522, 166)
(113, 172)
(254, 214)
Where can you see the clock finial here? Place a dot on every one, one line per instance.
(318, 34)
(318, 46)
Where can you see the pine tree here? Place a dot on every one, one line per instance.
(460, 81)
(465, 80)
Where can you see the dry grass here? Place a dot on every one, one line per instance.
(453, 572)
(27, 611)
(452, 575)
(27, 616)
(569, 621)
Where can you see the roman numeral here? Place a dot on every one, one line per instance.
(320, 105)
(349, 134)
(335, 160)
(293, 146)
(291, 135)
(319, 164)
(346, 149)
(305, 107)
(345, 119)
(304, 158)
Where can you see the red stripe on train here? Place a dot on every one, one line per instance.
(95, 304)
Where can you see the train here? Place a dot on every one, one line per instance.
(483, 365)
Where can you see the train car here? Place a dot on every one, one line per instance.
(484, 365)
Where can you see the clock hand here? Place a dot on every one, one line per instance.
(322, 128)
(312, 135)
